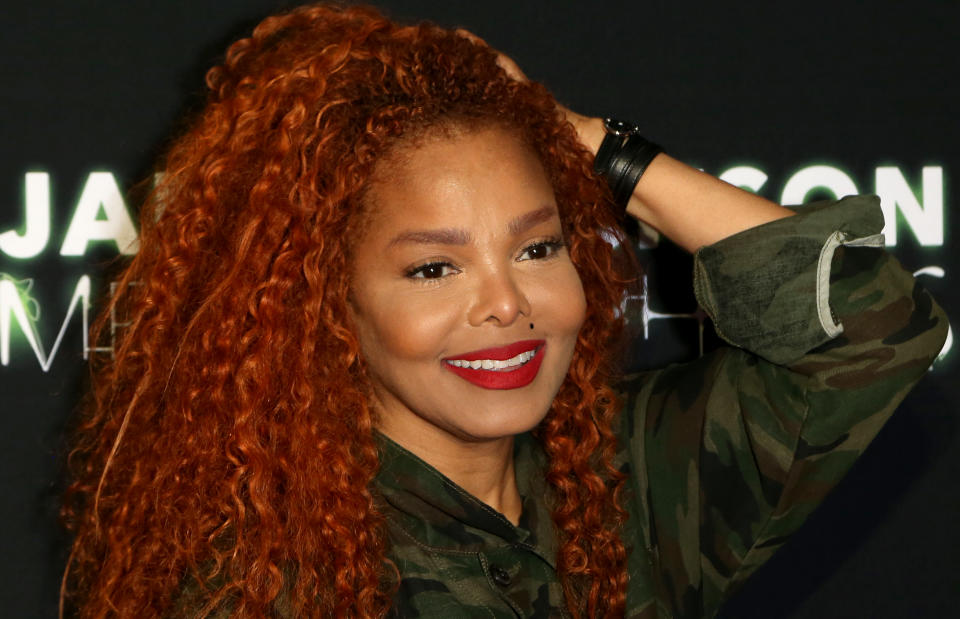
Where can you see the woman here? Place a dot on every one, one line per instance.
(368, 369)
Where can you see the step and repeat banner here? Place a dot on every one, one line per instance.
(796, 102)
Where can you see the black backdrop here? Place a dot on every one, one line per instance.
(842, 94)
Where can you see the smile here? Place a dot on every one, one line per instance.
(493, 364)
(505, 367)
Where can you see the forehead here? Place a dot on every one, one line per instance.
(456, 178)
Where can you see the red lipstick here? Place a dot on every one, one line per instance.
(512, 377)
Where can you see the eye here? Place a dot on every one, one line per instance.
(541, 249)
(432, 270)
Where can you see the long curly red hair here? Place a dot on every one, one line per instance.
(226, 452)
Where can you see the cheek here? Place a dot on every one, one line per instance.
(563, 305)
(409, 329)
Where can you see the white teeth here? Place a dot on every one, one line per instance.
(493, 364)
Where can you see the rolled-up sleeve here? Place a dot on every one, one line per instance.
(767, 289)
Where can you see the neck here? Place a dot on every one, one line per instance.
(482, 468)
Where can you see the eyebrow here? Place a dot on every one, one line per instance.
(441, 236)
(456, 236)
(528, 220)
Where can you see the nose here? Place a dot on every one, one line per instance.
(500, 299)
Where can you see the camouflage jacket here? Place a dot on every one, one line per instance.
(726, 455)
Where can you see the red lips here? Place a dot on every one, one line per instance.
(506, 378)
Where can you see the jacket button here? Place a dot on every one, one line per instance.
(500, 576)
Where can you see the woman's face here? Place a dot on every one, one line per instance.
(463, 264)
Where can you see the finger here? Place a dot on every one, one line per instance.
(511, 68)
(472, 37)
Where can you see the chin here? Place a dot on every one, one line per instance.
(500, 426)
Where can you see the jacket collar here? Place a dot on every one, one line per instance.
(438, 513)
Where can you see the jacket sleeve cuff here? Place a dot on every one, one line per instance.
(767, 289)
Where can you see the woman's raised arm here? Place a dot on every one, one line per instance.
(690, 207)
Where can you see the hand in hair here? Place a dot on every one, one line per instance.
(590, 130)
(712, 209)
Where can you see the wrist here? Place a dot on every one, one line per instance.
(622, 158)
(643, 200)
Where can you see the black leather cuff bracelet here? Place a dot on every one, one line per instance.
(622, 158)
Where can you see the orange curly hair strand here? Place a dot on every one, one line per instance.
(224, 460)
